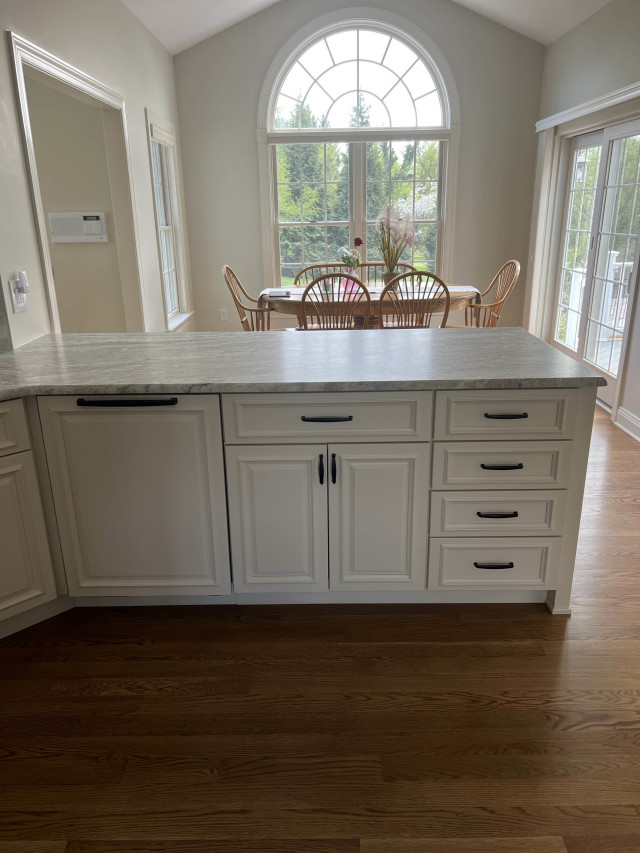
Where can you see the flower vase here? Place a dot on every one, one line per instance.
(388, 276)
(348, 285)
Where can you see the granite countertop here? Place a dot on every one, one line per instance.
(210, 362)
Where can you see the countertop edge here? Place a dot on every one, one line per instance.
(17, 392)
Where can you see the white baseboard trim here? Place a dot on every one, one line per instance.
(32, 617)
(484, 596)
(60, 605)
(628, 422)
(151, 600)
(510, 596)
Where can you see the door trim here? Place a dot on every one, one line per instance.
(65, 77)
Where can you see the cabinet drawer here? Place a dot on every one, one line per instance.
(491, 563)
(505, 414)
(508, 465)
(497, 513)
(14, 433)
(301, 418)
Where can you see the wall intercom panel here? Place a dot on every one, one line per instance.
(88, 227)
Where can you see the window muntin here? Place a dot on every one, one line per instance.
(348, 74)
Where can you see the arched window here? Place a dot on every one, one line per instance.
(358, 118)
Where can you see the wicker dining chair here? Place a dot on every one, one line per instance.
(333, 300)
(486, 314)
(253, 319)
(371, 272)
(309, 274)
(410, 300)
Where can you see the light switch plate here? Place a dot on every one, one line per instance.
(18, 298)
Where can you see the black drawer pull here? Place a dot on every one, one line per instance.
(497, 514)
(507, 417)
(326, 419)
(494, 565)
(321, 469)
(126, 404)
(334, 469)
(517, 467)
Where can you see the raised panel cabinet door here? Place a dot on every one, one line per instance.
(378, 516)
(278, 518)
(138, 486)
(26, 573)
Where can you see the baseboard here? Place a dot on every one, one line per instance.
(151, 600)
(629, 423)
(32, 617)
(484, 596)
(508, 596)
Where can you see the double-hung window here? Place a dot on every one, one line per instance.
(359, 120)
(168, 224)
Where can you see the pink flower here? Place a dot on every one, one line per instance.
(358, 241)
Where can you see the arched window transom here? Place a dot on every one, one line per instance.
(358, 78)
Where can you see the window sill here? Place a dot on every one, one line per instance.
(174, 323)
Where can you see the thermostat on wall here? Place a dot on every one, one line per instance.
(78, 227)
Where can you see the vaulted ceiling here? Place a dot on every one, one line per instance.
(178, 24)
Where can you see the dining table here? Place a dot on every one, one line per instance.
(462, 296)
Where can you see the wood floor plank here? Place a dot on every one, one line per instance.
(603, 844)
(342, 821)
(465, 845)
(225, 845)
(33, 846)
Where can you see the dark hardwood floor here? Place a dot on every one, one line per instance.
(369, 729)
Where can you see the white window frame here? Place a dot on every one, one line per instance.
(269, 137)
(163, 133)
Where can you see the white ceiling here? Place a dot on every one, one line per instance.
(178, 24)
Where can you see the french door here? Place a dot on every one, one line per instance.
(599, 252)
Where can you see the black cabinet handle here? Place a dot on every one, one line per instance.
(321, 469)
(327, 419)
(517, 467)
(494, 565)
(497, 514)
(334, 469)
(126, 404)
(507, 417)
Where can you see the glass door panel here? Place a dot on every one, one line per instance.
(583, 181)
(615, 256)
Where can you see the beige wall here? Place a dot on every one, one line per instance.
(106, 41)
(73, 174)
(498, 76)
(597, 57)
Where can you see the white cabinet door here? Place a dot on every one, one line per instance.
(138, 485)
(378, 516)
(278, 518)
(26, 573)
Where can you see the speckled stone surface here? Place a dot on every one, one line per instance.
(371, 360)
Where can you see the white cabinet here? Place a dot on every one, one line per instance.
(278, 518)
(26, 573)
(378, 507)
(378, 511)
(138, 486)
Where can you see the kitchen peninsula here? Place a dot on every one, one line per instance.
(382, 465)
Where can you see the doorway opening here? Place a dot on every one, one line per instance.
(77, 154)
